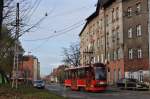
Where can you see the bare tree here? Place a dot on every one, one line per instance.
(1, 15)
(7, 34)
(7, 25)
(72, 55)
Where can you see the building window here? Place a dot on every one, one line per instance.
(131, 75)
(97, 24)
(102, 58)
(119, 74)
(117, 13)
(138, 30)
(101, 24)
(130, 53)
(118, 35)
(102, 43)
(113, 15)
(130, 33)
(98, 60)
(115, 76)
(107, 44)
(94, 60)
(129, 11)
(108, 56)
(107, 20)
(140, 76)
(113, 36)
(138, 6)
(139, 53)
(112, 56)
(115, 55)
(118, 52)
(98, 43)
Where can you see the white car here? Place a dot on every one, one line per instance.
(39, 84)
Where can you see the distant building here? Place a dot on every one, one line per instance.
(118, 33)
(38, 71)
(30, 67)
(53, 76)
(58, 74)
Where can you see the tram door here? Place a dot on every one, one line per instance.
(74, 80)
(88, 78)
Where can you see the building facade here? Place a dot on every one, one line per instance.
(117, 33)
(136, 38)
(30, 67)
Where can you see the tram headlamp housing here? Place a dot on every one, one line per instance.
(92, 86)
(101, 83)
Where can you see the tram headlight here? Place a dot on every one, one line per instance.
(92, 86)
(101, 83)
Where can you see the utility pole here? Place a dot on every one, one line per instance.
(16, 52)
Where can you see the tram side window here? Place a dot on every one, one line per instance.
(89, 73)
(81, 73)
(68, 75)
(74, 74)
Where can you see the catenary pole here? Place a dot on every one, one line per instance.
(16, 50)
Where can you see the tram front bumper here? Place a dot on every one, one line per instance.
(95, 89)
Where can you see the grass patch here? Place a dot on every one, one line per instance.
(26, 92)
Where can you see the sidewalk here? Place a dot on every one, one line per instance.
(115, 89)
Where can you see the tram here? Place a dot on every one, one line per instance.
(89, 78)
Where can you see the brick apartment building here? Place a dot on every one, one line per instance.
(118, 33)
(30, 67)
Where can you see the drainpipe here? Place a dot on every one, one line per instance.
(105, 49)
(149, 36)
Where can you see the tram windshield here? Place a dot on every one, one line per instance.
(100, 73)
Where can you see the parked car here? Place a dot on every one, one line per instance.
(39, 84)
(128, 83)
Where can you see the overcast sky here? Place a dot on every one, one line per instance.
(63, 16)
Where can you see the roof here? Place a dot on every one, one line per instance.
(100, 3)
(92, 16)
(106, 3)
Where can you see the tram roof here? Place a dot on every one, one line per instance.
(80, 67)
(87, 66)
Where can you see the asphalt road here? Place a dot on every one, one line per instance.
(111, 93)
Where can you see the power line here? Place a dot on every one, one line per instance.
(70, 12)
(32, 7)
(37, 23)
(34, 25)
(65, 29)
(27, 30)
(56, 35)
(34, 10)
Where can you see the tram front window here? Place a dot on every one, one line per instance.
(100, 73)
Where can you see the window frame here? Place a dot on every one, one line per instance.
(130, 32)
(139, 30)
(130, 54)
(129, 11)
(140, 54)
(138, 7)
